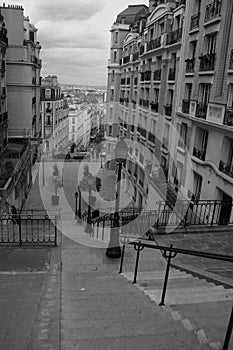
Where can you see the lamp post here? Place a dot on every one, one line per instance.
(43, 179)
(76, 204)
(90, 183)
(102, 157)
(114, 250)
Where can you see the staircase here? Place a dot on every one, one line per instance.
(183, 288)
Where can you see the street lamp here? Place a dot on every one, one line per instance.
(76, 204)
(79, 204)
(90, 183)
(114, 249)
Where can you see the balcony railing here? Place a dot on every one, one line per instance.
(231, 60)
(154, 106)
(171, 74)
(200, 154)
(153, 44)
(190, 64)
(226, 168)
(135, 56)
(151, 137)
(201, 110)
(142, 131)
(207, 62)
(174, 37)
(195, 21)
(168, 110)
(157, 74)
(228, 118)
(185, 106)
(213, 10)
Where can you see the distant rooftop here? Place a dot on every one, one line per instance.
(133, 12)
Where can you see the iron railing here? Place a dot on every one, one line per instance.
(228, 117)
(213, 10)
(190, 65)
(154, 44)
(28, 229)
(201, 110)
(207, 62)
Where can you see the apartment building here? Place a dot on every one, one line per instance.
(15, 152)
(54, 115)
(142, 90)
(23, 73)
(77, 114)
(204, 117)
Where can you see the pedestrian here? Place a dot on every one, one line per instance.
(14, 216)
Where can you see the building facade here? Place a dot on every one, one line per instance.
(204, 115)
(23, 72)
(141, 102)
(54, 116)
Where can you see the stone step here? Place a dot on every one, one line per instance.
(181, 283)
(152, 275)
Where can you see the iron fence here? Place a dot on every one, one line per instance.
(28, 229)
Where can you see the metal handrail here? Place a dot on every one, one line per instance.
(172, 252)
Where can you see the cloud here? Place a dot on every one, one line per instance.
(65, 10)
(53, 35)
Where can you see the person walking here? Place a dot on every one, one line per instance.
(14, 216)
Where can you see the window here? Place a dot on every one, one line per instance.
(48, 120)
(47, 93)
(73, 120)
(197, 184)
(204, 93)
(112, 94)
(116, 37)
(113, 75)
(73, 129)
(110, 130)
(210, 43)
(230, 96)
(114, 56)
(201, 139)
(180, 173)
(188, 91)
(72, 137)
(183, 134)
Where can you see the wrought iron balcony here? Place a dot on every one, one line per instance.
(171, 74)
(174, 37)
(168, 110)
(200, 154)
(213, 10)
(207, 62)
(228, 118)
(195, 21)
(190, 64)
(226, 168)
(154, 106)
(185, 106)
(157, 74)
(154, 44)
(201, 110)
(151, 137)
(144, 103)
(231, 60)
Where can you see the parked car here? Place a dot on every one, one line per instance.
(80, 155)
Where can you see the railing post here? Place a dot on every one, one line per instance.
(138, 247)
(212, 220)
(170, 256)
(55, 230)
(229, 331)
(122, 258)
(20, 231)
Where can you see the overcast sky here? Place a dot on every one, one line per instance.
(75, 36)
